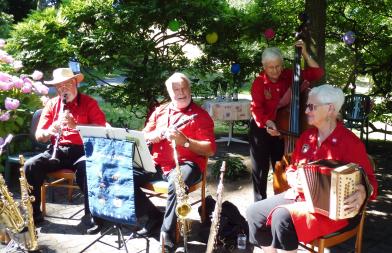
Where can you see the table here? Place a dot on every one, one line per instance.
(230, 111)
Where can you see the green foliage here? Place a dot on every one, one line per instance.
(41, 41)
(122, 117)
(370, 55)
(132, 37)
(235, 168)
(5, 24)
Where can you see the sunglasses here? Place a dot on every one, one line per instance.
(313, 107)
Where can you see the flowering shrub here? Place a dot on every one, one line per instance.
(20, 94)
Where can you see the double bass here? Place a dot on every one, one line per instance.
(290, 119)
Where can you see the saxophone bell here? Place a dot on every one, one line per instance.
(183, 210)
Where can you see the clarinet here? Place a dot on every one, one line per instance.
(58, 135)
(211, 245)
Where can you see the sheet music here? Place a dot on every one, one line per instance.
(142, 157)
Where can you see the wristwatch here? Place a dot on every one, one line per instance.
(186, 144)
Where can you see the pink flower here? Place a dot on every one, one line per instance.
(11, 103)
(1, 141)
(5, 116)
(40, 88)
(5, 86)
(2, 43)
(27, 87)
(5, 77)
(18, 83)
(269, 33)
(37, 75)
(27, 80)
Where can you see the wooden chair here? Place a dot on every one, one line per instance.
(62, 178)
(160, 189)
(336, 238)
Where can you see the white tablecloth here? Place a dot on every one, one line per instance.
(228, 110)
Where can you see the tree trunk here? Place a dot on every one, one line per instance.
(317, 12)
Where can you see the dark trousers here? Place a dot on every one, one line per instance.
(191, 174)
(37, 167)
(281, 234)
(264, 149)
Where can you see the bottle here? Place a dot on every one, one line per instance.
(235, 94)
(241, 241)
(219, 94)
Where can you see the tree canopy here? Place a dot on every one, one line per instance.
(145, 42)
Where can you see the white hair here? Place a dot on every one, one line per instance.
(177, 77)
(271, 53)
(328, 94)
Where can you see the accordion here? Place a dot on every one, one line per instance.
(326, 183)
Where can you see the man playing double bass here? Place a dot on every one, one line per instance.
(271, 91)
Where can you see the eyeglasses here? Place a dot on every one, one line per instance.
(313, 107)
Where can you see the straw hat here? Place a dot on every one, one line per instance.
(62, 75)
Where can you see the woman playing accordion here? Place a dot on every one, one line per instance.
(280, 222)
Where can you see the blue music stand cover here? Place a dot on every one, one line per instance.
(110, 179)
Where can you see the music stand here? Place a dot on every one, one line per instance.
(110, 158)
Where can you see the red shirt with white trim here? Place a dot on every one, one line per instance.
(200, 128)
(266, 94)
(342, 145)
(83, 108)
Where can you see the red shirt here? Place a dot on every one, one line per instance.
(342, 145)
(266, 94)
(83, 108)
(200, 128)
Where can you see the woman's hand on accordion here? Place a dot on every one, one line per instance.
(355, 200)
(294, 180)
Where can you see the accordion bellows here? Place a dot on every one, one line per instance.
(326, 183)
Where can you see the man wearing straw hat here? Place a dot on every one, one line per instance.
(57, 124)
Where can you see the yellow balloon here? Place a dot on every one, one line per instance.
(212, 38)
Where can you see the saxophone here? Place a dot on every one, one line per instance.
(211, 245)
(25, 189)
(11, 217)
(183, 208)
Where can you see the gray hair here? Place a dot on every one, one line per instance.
(271, 53)
(177, 77)
(328, 94)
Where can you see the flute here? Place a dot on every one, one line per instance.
(58, 135)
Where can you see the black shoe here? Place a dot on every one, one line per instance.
(93, 224)
(38, 218)
(95, 229)
(152, 223)
(87, 220)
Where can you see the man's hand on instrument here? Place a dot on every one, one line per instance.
(154, 136)
(355, 200)
(53, 129)
(298, 183)
(271, 128)
(174, 134)
(302, 45)
(67, 120)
